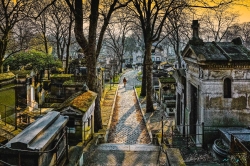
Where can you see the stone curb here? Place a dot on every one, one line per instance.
(126, 147)
(110, 116)
(147, 126)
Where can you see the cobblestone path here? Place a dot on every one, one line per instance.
(127, 125)
(128, 141)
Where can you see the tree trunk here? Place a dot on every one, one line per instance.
(121, 62)
(67, 54)
(1, 66)
(98, 117)
(57, 45)
(89, 51)
(149, 65)
(68, 43)
(45, 44)
(143, 85)
(92, 62)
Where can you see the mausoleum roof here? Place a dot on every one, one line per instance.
(217, 51)
(40, 133)
(80, 101)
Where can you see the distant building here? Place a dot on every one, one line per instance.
(213, 89)
(42, 143)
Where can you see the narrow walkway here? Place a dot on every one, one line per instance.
(128, 139)
(127, 125)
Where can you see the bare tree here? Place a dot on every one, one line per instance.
(245, 30)
(40, 18)
(92, 41)
(215, 23)
(178, 30)
(24, 32)
(10, 14)
(232, 32)
(61, 23)
(152, 15)
(116, 36)
(58, 27)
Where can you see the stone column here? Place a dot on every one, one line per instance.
(92, 123)
(31, 102)
(28, 92)
(83, 132)
(247, 100)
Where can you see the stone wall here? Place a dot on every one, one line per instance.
(214, 109)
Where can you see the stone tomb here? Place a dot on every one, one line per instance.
(222, 145)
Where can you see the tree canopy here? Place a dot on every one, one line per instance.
(32, 59)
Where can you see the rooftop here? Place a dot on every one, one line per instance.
(80, 100)
(38, 134)
(219, 51)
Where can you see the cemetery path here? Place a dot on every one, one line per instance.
(128, 139)
(127, 125)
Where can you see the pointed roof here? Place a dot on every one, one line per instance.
(217, 51)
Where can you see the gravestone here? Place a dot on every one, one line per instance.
(31, 102)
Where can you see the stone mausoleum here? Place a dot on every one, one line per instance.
(42, 143)
(217, 86)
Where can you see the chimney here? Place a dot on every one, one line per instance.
(195, 26)
(196, 39)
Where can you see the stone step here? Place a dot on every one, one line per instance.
(127, 147)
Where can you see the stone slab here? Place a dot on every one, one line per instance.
(124, 147)
(144, 148)
(113, 147)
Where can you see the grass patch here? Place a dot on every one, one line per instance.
(116, 78)
(138, 90)
(109, 87)
(7, 102)
(139, 76)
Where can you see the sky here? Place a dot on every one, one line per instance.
(245, 14)
(243, 10)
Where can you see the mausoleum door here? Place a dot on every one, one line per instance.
(194, 111)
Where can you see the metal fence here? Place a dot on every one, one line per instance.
(239, 152)
(7, 114)
(173, 138)
(198, 138)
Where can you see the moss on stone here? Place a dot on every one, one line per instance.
(239, 103)
(22, 73)
(216, 102)
(6, 76)
(61, 75)
(167, 79)
(83, 101)
(72, 83)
